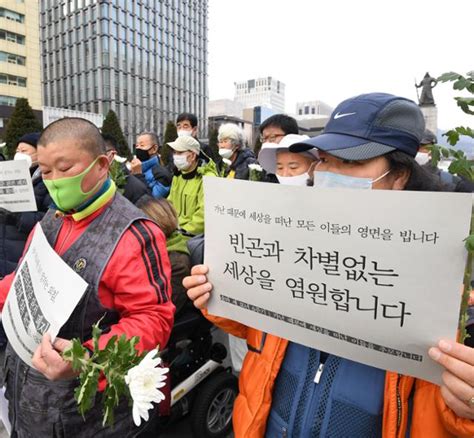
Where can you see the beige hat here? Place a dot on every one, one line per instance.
(267, 156)
(186, 143)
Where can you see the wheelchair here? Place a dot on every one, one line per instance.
(201, 385)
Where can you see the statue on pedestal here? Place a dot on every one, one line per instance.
(426, 90)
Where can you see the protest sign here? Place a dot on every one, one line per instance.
(16, 188)
(42, 297)
(370, 275)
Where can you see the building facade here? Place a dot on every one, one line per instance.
(268, 92)
(51, 114)
(20, 74)
(225, 107)
(146, 59)
(313, 107)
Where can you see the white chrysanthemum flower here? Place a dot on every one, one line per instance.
(227, 162)
(143, 381)
(119, 159)
(256, 167)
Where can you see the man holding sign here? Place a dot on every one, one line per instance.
(289, 389)
(122, 257)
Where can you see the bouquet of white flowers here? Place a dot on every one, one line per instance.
(256, 172)
(137, 376)
(225, 165)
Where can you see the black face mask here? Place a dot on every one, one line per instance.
(142, 155)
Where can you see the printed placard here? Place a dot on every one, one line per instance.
(42, 297)
(374, 276)
(16, 188)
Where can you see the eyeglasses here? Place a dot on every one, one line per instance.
(270, 138)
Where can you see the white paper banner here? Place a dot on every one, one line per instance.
(373, 276)
(42, 297)
(16, 188)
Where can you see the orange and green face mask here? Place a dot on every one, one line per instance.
(67, 192)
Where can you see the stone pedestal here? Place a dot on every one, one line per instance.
(431, 117)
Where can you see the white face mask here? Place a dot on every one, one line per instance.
(21, 156)
(185, 133)
(226, 153)
(335, 180)
(422, 158)
(181, 162)
(299, 180)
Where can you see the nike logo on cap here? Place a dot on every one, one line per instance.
(339, 115)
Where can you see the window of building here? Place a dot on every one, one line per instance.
(114, 29)
(19, 81)
(7, 100)
(104, 10)
(11, 58)
(104, 26)
(12, 37)
(12, 15)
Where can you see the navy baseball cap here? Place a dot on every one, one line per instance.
(428, 138)
(368, 126)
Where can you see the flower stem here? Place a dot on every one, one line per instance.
(463, 335)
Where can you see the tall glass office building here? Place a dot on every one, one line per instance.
(144, 59)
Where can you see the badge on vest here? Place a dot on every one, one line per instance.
(80, 265)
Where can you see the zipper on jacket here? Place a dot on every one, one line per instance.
(399, 405)
(284, 432)
(67, 222)
(183, 198)
(319, 373)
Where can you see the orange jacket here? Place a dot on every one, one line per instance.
(431, 418)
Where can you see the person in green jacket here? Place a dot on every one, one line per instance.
(187, 191)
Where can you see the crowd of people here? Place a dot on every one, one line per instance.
(135, 238)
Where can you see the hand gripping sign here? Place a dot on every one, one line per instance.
(42, 297)
(373, 276)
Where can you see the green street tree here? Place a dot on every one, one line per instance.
(171, 134)
(21, 122)
(257, 146)
(461, 166)
(111, 126)
(213, 144)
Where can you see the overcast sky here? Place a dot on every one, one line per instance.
(330, 50)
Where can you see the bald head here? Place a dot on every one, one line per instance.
(82, 132)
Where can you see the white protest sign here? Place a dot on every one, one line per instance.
(42, 297)
(16, 188)
(370, 275)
